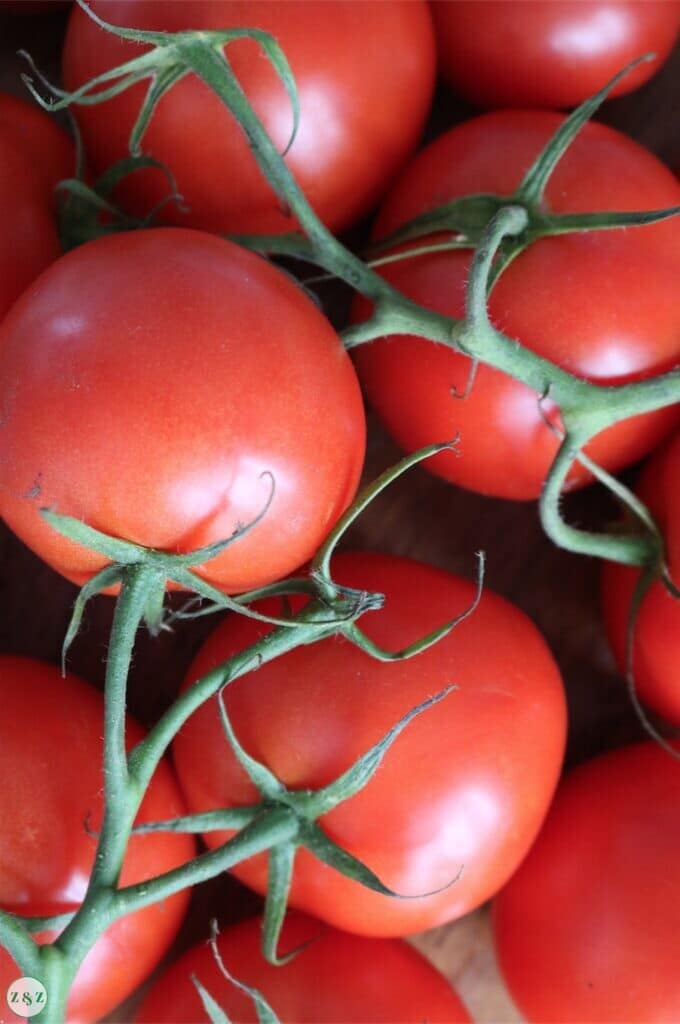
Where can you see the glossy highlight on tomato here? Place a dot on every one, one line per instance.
(364, 74)
(550, 53)
(51, 764)
(656, 644)
(158, 385)
(337, 977)
(601, 304)
(466, 785)
(35, 154)
(587, 928)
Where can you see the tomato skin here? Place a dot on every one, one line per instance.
(550, 53)
(338, 977)
(34, 155)
(656, 648)
(601, 305)
(468, 782)
(364, 95)
(48, 147)
(51, 761)
(587, 928)
(132, 398)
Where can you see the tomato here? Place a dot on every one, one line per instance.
(602, 305)
(466, 785)
(51, 766)
(151, 381)
(364, 73)
(338, 977)
(587, 928)
(656, 651)
(34, 155)
(550, 53)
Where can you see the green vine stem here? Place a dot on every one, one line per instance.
(280, 823)
(497, 227)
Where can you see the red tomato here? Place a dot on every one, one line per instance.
(550, 53)
(34, 155)
(51, 764)
(602, 305)
(364, 73)
(149, 380)
(338, 977)
(466, 785)
(587, 929)
(656, 651)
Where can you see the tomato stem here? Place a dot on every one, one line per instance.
(15, 938)
(272, 827)
(57, 973)
(499, 227)
(140, 583)
(139, 587)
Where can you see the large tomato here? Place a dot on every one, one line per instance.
(465, 786)
(338, 977)
(550, 53)
(364, 73)
(587, 930)
(34, 155)
(656, 650)
(51, 766)
(150, 381)
(602, 305)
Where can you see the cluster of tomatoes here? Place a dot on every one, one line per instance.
(166, 386)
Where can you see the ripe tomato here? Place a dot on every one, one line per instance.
(601, 305)
(656, 650)
(338, 977)
(550, 53)
(364, 73)
(51, 764)
(34, 155)
(587, 928)
(149, 380)
(466, 785)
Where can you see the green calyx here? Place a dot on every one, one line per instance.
(331, 606)
(170, 57)
(466, 219)
(303, 808)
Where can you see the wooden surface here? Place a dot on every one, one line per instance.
(421, 517)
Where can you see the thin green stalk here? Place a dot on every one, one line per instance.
(147, 754)
(15, 938)
(275, 826)
(629, 549)
(120, 795)
(211, 65)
